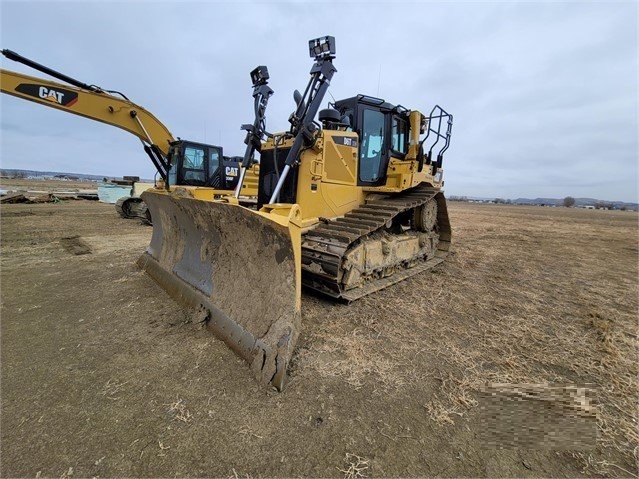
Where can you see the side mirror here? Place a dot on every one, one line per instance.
(297, 97)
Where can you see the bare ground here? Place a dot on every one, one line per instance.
(104, 375)
(46, 185)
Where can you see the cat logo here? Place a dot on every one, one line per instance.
(51, 94)
(231, 171)
(59, 96)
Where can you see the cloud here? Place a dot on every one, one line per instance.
(544, 94)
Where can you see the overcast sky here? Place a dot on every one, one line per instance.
(544, 94)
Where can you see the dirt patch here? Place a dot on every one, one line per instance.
(104, 375)
(10, 214)
(75, 245)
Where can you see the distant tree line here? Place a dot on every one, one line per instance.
(604, 205)
(568, 202)
(13, 174)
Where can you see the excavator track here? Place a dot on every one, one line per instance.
(131, 207)
(328, 250)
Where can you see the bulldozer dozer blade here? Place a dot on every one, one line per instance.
(240, 269)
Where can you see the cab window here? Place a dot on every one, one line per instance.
(399, 135)
(193, 164)
(214, 161)
(174, 156)
(372, 141)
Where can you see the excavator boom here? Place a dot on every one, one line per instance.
(98, 106)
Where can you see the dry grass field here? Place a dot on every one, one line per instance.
(103, 375)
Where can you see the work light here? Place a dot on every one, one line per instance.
(259, 76)
(322, 46)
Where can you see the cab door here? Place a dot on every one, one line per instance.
(373, 150)
(194, 166)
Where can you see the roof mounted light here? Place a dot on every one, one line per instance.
(321, 47)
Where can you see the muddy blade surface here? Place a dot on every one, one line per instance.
(236, 268)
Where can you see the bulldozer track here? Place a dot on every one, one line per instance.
(324, 247)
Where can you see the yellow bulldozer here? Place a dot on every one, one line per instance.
(346, 206)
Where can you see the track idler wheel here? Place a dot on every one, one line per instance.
(425, 216)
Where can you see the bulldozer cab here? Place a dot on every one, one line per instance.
(383, 130)
(199, 164)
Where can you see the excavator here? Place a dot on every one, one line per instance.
(177, 161)
(346, 205)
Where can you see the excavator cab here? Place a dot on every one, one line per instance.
(199, 164)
